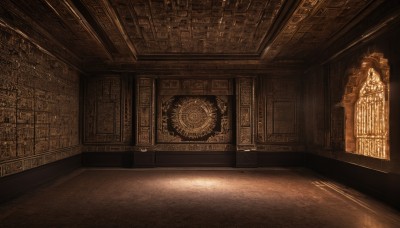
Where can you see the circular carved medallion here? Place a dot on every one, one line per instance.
(194, 117)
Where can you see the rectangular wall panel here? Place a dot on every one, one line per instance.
(108, 119)
(103, 103)
(278, 112)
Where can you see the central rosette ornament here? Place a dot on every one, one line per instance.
(194, 117)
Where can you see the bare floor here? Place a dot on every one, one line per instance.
(196, 198)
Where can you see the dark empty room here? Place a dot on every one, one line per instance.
(199, 113)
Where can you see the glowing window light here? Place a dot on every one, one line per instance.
(371, 128)
(366, 107)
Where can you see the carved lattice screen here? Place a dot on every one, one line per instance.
(366, 103)
(370, 117)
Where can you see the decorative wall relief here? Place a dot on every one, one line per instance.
(194, 118)
(39, 106)
(194, 114)
(245, 128)
(145, 112)
(195, 87)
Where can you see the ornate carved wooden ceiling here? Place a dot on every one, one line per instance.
(117, 32)
(197, 27)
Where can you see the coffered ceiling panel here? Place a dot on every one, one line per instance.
(119, 33)
(197, 27)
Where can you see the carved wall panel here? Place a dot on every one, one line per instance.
(39, 106)
(245, 107)
(103, 110)
(196, 112)
(200, 119)
(278, 110)
(145, 112)
(195, 87)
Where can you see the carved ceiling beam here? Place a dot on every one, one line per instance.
(72, 59)
(281, 20)
(89, 27)
(114, 17)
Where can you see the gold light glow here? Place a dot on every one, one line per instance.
(371, 125)
(197, 183)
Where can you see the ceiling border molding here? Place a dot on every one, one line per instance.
(281, 20)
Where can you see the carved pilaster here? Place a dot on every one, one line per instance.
(245, 114)
(145, 112)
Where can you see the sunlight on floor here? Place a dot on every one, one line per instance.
(195, 183)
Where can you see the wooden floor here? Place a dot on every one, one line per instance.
(195, 197)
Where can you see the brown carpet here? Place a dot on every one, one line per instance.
(195, 198)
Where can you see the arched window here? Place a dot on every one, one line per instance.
(366, 103)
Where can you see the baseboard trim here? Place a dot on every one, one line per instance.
(107, 159)
(195, 159)
(281, 159)
(192, 159)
